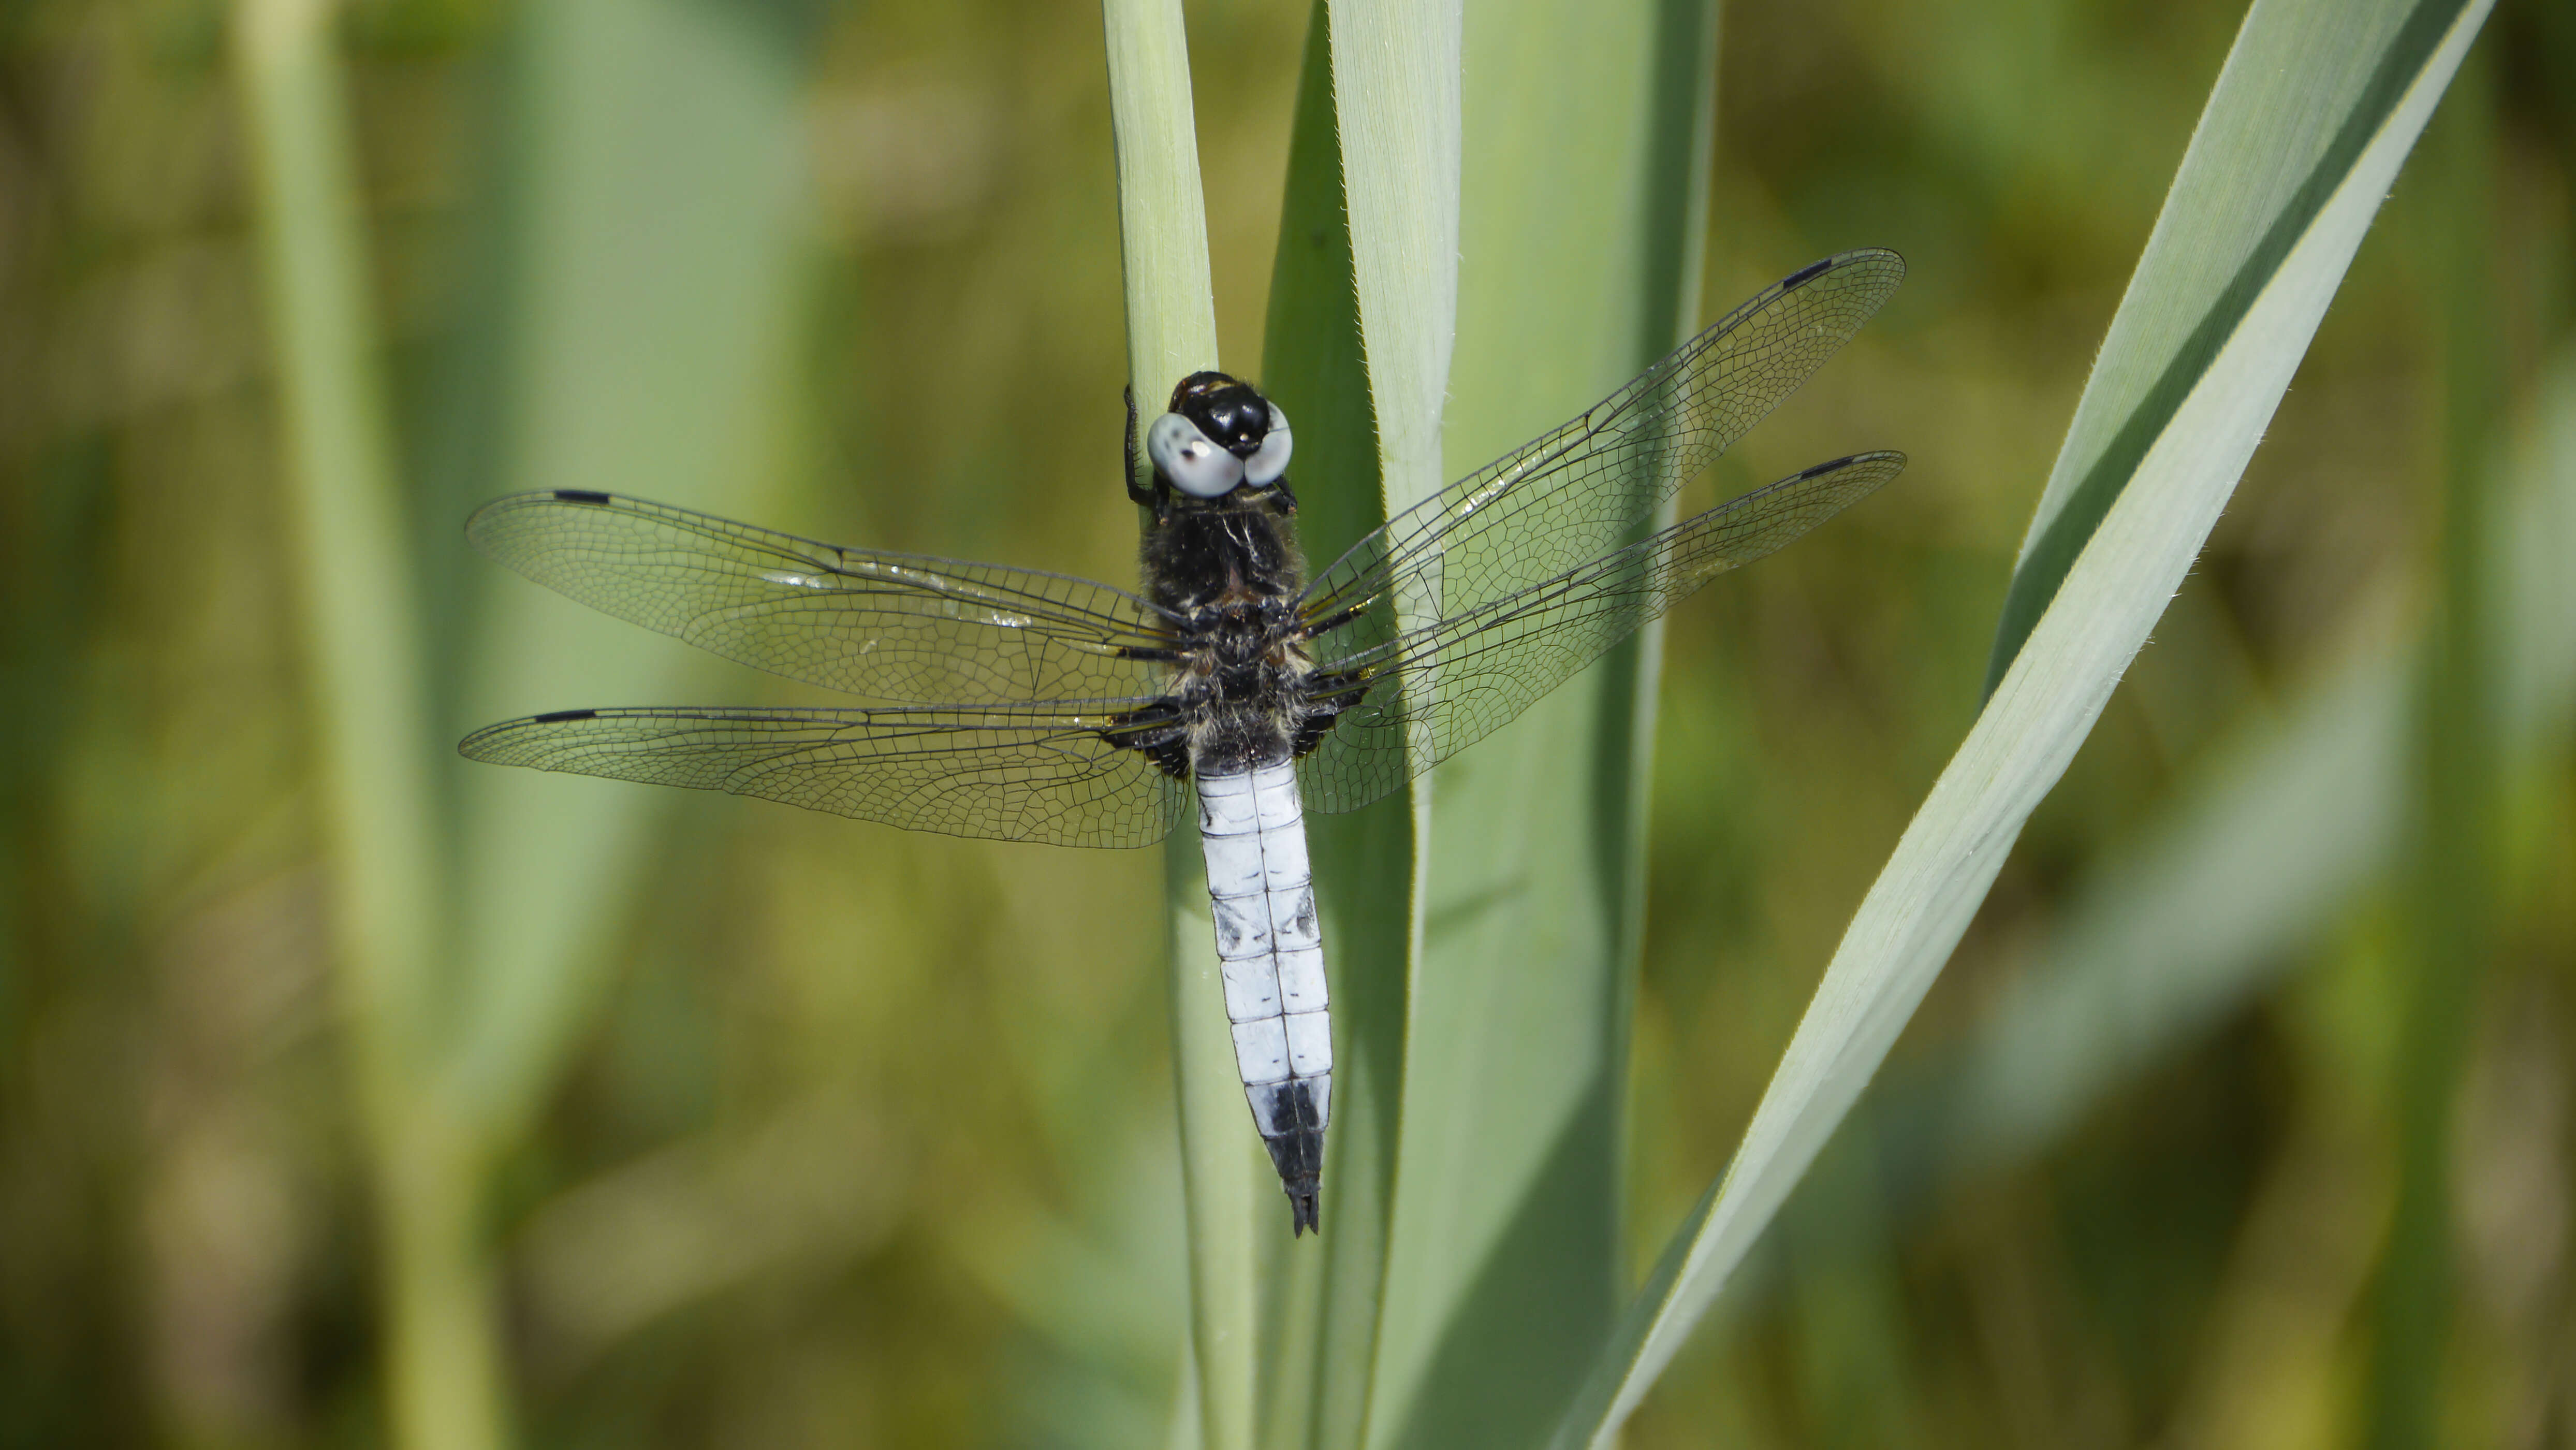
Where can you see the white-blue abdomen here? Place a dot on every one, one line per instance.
(1253, 832)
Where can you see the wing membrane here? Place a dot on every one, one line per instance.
(1430, 693)
(893, 626)
(1572, 494)
(1030, 774)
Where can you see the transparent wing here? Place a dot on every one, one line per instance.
(1576, 492)
(1424, 696)
(1030, 774)
(894, 626)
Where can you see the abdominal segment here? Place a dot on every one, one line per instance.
(1254, 834)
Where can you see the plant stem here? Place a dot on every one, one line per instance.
(2456, 785)
(442, 1364)
(362, 628)
(1171, 332)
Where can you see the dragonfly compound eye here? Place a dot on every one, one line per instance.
(1270, 460)
(1184, 455)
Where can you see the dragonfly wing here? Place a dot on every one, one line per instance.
(893, 626)
(1578, 491)
(1428, 694)
(1037, 773)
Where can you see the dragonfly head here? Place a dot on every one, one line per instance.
(1220, 434)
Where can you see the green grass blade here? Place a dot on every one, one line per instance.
(362, 617)
(1187, 1428)
(2452, 928)
(2282, 829)
(1321, 1298)
(2265, 178)
(2536, 536)
(657, 369)
(1162, 214)
(1585, 135)
(1393, 72)
(364, 642)
(1171, 332)
(1222, 1181)
(2300, 71)
(2273, 837)
(646, 368)
(1396, 92)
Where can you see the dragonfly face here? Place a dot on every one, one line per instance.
(1040, 707)
(1220, 434)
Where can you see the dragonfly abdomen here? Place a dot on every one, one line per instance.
(1253, 832)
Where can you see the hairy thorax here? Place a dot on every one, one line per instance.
(1232, 574)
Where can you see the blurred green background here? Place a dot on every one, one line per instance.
(834, 1134)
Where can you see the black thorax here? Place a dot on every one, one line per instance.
(1228, 569)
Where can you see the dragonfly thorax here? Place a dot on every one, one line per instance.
(1227, 558)
(1229, 572)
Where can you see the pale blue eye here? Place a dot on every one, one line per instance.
(1271, 460)
(1185, 455)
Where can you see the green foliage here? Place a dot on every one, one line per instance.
(353, 1094)
(1317, 1342)
(471, 914)
(2304, 80)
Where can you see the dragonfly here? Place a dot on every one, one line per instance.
(1030, 706)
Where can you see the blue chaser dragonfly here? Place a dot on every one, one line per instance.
(1049, 708)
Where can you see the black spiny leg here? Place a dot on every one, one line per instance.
(1157, 731)
(1138, 494)
(1328, 624)
(1328, 696)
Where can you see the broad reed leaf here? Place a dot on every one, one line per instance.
(643, 259)
(473, 910)
(2303, 135)
(1582, 201)
(1321, 1299)
(365, 647)
(1381, 201)
(2281, 830)
(2295, 111)
(1396, 95)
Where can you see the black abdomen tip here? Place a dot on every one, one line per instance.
(1299, 1157)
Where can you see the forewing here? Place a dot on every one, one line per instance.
(1431, 693)
(1576, 492)
(893, 626)
(1011, 775)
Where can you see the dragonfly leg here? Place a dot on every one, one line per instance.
(1329, 694)
(1333, 622)
(1157, 731)
(1135, 493)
